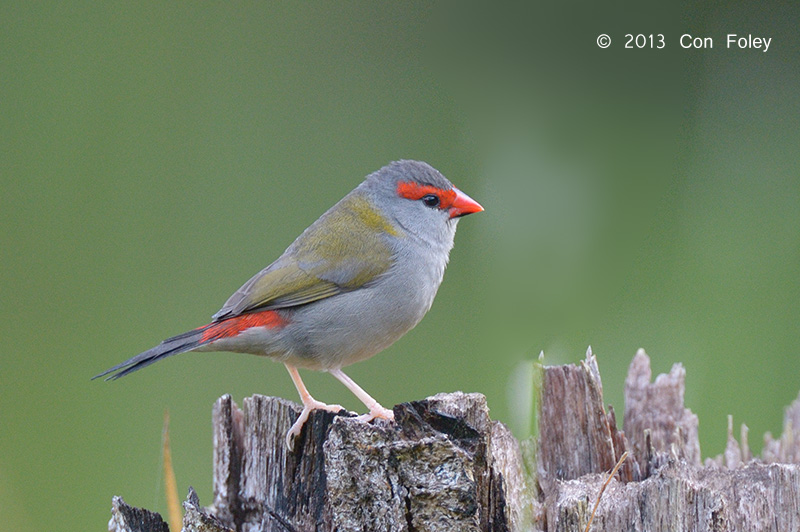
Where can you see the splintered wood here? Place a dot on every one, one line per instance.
(444, 465)
(662, 486)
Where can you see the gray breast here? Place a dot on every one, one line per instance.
(353, 326)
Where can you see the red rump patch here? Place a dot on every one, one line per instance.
(415, 191)
(233, 326)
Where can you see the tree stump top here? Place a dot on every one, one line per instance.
(445, 465)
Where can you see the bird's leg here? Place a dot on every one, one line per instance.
(309, 404)
(375, 409)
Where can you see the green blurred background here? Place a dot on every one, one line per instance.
(155, 156)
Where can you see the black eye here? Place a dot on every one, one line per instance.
(430, 200)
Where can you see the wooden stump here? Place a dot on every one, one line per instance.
(432, 469)
(444, 465)
(663, 486)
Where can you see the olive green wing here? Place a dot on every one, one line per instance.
(344, 250)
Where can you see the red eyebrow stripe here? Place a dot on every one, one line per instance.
(415, 191)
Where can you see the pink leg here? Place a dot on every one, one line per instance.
(375, 409)
(309, 404)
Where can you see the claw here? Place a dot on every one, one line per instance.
(376, 412)
(309, 405)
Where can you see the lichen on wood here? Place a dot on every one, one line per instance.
(432, 469)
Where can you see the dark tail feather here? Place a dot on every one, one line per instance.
(171, 346)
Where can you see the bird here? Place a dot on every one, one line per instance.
(354, 282)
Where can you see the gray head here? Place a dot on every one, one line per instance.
(420, 200)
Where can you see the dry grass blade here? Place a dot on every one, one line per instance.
(603, 488)
(170, 484)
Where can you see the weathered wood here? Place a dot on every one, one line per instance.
(657, 424)
(197, 519)
(126, 518)
(757, 497)
(666, 488)
(576, 436)
(444, 465)
(433, 469)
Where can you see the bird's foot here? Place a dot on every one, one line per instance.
(309, 405)
(376, 412)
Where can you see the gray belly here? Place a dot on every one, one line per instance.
(350, 327)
